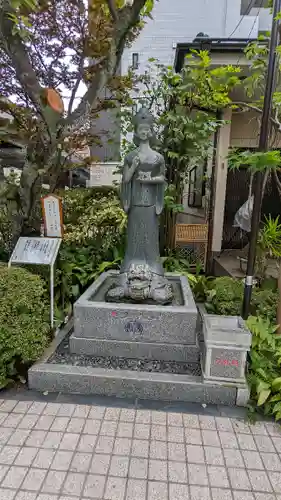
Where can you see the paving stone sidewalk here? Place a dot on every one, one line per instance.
(55, 451)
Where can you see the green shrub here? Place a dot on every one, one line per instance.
(24, 327)
(265, 367)
(226, 295)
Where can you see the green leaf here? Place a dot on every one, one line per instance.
(276, 384)
(263, 397)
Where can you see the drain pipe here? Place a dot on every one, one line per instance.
(210, 220)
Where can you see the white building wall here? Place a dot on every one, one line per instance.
(176, 21)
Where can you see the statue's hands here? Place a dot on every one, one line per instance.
(135, 163)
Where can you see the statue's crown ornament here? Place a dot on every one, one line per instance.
(143, 116)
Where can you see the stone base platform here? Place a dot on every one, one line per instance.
(67, 378)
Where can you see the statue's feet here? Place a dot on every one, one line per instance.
(115, 294)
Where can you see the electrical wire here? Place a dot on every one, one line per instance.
(251, 4)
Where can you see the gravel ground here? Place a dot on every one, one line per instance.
(64, 356)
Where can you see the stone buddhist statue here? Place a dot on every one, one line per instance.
(141, 276)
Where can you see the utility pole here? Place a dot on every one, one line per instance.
(263, 145)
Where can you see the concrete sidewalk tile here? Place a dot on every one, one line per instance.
(243, 495)
(159, 417)
(140, 448)
(159, 432)
(221, 494)
(239, 479)
(112, 414)
(246, 442)
(241, 427)
(115, 488)
(22, 406)
(207, 422)
(178, 491)
(175, 419)
(28, 421)
(26, 456)
(210, 438)
(46, 496)
(275, 479)
(273, 429)
(224, 424)
(191, 421)
(94, 486)
(87, 443)
(271, 461)
(14, 477)
(266, 496)
(143, 417)
(176, 451)
(26, 495)
(258, 428)
(92, 426)
(12, 420)
(51, 409)
(213, 455)
(228, 440)
(142, 431)
(136, 489)
(53, 482)
(108, 428)
(34, 479)
(60, 424)
(3, 471)
(218, 476)
(104, 444)
(8, 454)
(69, 441)
(52, 440)
(199, 493)
(36, 438)
(66, 410)
(19, 437)
(5, 434)
(157, 491)
(62, 460)
(119, 466)
(159, 449)
(264, 444)
(74, 483)
(127, 415)
(8, 405)
(37, 407)
(81, 411)
(76, 425)
(44, 459)
(197, 474)
(259, 481)
(125, 429)
(7, 494)
(193, 436)
(176, 434)
(252, 460)
(177, 472)
(157, 470)
(100, 464)
(44, 422)
(138, 468)
(97, 412)
(81, 462)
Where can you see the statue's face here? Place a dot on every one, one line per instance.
(144, 132)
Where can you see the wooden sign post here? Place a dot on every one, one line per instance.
(52, 214)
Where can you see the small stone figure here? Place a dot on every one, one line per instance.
(142, 275)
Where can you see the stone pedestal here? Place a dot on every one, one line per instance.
(136, 330)
(226, 343)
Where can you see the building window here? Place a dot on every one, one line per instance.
(247, 5)
(135, 60)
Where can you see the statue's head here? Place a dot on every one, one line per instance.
(143, 126)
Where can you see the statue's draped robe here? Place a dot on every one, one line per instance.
(143, 203)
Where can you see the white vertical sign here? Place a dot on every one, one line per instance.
(52, 213)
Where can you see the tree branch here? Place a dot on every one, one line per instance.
(112, 10)
(78, 81)
(127, 19)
